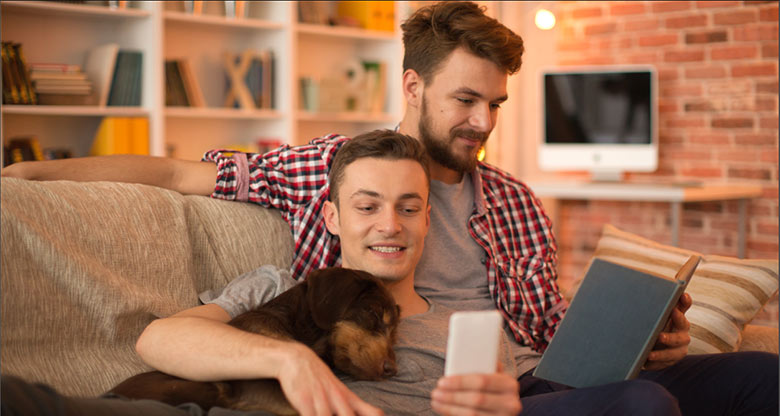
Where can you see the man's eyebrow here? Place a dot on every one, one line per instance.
(469, 91)
(411, 195)
(374, 194)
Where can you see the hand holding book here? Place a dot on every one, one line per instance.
(672, 343)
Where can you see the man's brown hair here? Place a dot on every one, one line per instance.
(433, 32)
(380, 144)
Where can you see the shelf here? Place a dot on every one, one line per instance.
(222, 113)
(75, 110)
(65, 9)
(351, 117)
(344, 32)
(222, 21)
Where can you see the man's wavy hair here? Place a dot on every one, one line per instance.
(379, 144)
(433, 32)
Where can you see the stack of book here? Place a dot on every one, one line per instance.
(17, 86)
(250, 85)
(57, 83)
(127, 80)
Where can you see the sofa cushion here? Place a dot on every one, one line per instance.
(727, 292)
(85, 267)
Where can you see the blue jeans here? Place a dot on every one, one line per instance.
(744, 384)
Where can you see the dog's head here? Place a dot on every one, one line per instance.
(361, 316)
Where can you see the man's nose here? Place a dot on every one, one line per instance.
(388, 222)
(481, 118)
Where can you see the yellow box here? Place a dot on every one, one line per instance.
(372, 15)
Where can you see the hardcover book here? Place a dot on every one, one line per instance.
(612, 324)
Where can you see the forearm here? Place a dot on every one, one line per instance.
(198, 348)
(187, 177)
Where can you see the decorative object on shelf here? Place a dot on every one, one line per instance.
(356, 86)
(314, 12)
(235, 8)
(117, 4)
(128, 79)
(371, 15)
(193, 6)
(99, 66)
(250, 79)
(121, 135)
(181, 87)
(17, 86)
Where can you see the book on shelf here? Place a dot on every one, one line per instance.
(20, 149)
(190, 83)
(17, 85)
(612, 324)
(99, 66)
(61, 84)
(181, 86)
(193, 6)
(314, 12)
(127, 79)
(121, 135)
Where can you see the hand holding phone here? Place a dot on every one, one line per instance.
(472, 342)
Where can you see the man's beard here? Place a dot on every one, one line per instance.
(439, 148)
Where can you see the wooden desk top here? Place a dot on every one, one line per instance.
(644, 191)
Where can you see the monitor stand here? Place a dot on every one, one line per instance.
(606, 176)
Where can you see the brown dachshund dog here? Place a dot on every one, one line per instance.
(346, 316)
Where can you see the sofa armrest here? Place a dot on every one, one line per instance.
(85, 267)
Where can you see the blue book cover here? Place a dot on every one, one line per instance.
(612, 324)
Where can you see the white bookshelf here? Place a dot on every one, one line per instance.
(163, 30)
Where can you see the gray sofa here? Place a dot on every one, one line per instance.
(86, 266)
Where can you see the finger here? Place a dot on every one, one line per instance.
(671, 354)
(475, 400)
(681, 323)
(685, 302)
(495, 383)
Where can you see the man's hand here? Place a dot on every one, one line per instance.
(672, 344)
(313, 389)
(477, 394)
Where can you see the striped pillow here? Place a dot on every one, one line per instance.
(727, 292)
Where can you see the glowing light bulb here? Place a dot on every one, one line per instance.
(544, 19)
(481, 154)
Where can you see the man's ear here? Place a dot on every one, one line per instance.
(412, 85)
(331, 214)
(428, 217)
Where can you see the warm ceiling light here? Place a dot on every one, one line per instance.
(544, 20)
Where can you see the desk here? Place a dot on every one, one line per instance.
(675, 194)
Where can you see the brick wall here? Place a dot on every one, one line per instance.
(718, 116)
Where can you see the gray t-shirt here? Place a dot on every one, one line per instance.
(451, 270)
(420, 349)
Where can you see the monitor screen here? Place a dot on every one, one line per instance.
(599, 119)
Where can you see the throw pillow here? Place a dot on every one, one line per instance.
(727, 292)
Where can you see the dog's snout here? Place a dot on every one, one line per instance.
(389, 369)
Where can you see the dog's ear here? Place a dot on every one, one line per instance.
(331, 291)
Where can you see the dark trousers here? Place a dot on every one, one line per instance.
(735, 384)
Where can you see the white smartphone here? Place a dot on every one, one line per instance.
(472, 342)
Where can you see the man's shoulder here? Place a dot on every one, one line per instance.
(494, 178)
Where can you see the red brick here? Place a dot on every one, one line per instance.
(738, 155)
(685, 122)
(735, 17)
(642, 58)
(639, 25)
(684, 22)
(763, 247)
(755, 32)
(768, 69)
(750, 173)
(684, 56)
(703, 172)
(730, 87)
(670, 6)
(626, 8)
(769, 123)
(659, 40)
(682, 155)
(768, 15)
(667, 139)
(715, 4)
(734, 52)
(689, 90)
(767, 87)
(705, 72)
(769, 156)
(769, 50)
(769, 192)
(752, 104)
(732, 123)
(599, 60)
(754, 139)
(588, 12)
(724, 224)
(766, 228)
(573, 45)
(706, 37)
(710, 138)
(600, 29)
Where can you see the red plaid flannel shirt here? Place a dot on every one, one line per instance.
(508, 223)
